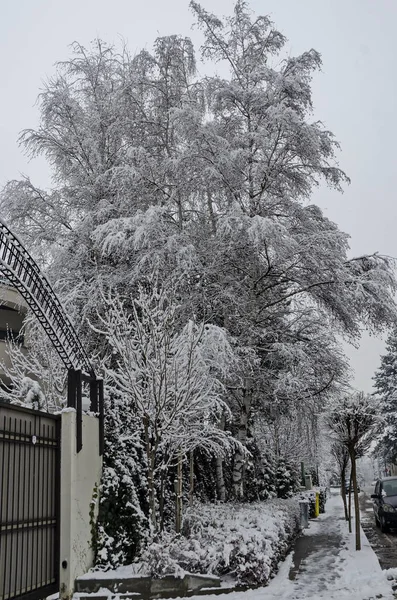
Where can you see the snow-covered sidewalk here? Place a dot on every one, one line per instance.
(325, 565)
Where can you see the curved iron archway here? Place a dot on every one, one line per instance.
(19, 267)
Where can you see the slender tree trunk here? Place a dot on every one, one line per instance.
(220, 479)
(161, 500)
(238, 469)
(178, 495)
(180, 210)
(356, 505)
(211, 212)
(350, 502)
(343, 492)
(191, 469)
(150, 464)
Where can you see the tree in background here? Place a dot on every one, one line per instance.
(354, 420)
(36, 374)
(171, 379)
(385, 385)
(341, 455)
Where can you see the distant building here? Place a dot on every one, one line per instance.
(12, 312)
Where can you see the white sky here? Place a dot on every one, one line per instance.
(355, 95)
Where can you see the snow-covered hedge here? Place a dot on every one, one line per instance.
(244, 541)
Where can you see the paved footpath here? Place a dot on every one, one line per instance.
(325, 565)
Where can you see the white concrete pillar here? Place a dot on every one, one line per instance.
(80, 476)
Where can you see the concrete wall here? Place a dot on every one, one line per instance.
(80, 474)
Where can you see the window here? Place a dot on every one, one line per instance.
(10, 334)
(390, 488)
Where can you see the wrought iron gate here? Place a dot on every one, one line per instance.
(29, 503)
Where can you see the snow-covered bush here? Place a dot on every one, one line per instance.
(260, 482)
(269, 476)
(244, 541)
(123, 524)
(287, 478)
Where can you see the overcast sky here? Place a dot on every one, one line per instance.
(354, 95)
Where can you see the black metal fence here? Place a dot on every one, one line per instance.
(29, 503)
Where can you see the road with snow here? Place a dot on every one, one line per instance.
(384, 544)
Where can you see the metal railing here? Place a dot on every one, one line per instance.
(20, 269)
(23, 273)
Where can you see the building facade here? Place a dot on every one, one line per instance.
(12, 313)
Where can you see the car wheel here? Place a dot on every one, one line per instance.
(383, 526)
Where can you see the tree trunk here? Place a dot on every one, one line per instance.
(191, 487)
(343, 492)
(238, 469)
(220, 479)
(161, 499)
(356, 505)
(150, 465)
(180, 210)
(350, 503)
(178, 495)
(211, 212)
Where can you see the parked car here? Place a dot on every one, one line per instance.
(385, 503)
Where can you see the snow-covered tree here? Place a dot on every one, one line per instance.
(385, 385)
(36, 375)
(340, 453)
(207, 182)
(287, 478)
(123, 524)
(353, 421)
(260, 156)
(173, 379)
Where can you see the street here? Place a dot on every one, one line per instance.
(383, 544)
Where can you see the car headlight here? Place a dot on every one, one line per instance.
(388, 508)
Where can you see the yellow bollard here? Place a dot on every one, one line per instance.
(317, 505)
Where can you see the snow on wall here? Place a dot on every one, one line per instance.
(80, 475)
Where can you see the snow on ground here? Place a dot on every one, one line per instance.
(126, 572)
(325, 565)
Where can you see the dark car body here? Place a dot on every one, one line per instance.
(385, 502)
